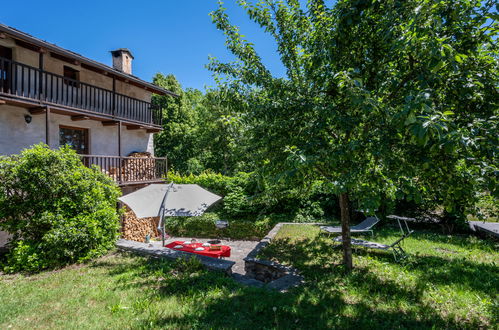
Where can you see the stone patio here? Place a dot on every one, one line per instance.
(238, 250)
(241, 251)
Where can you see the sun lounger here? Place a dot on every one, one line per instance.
(395, 247)
(363, 227)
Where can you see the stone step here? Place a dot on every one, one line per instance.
(248, 281)
(151, 250)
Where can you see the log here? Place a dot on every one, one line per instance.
(136, 229)
(141, 169)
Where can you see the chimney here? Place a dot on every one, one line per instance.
(122, 60)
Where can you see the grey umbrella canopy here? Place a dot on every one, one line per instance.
(177, 200)
(170, 200)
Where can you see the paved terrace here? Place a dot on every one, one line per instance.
(233, 266)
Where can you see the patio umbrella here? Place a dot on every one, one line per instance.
(169, 200)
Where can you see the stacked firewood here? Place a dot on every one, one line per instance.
(140, 169)
(113, 173)
(136, 229)
(144, 154)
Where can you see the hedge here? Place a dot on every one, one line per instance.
(58, 211)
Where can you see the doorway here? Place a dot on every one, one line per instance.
(75, 137)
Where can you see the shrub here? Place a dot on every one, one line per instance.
(58, 210)
(246, 195)
(252, 206)
(236, 191)
(204, 226)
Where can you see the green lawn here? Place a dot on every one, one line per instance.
(448, 282)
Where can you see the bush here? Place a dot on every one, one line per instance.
(252, 206)
(204, 226)
(236, 191)
(58, 210)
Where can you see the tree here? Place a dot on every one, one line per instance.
(222, 133)
(178, 140)
(383, 99)
(200, 131)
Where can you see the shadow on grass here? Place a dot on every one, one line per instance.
(328, 299)
(251, 309)
(313, 257)
(219, 304)
(215, 301)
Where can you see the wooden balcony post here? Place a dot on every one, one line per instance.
(114, 96)
(120, 160)
(40, 74)
(119, 138)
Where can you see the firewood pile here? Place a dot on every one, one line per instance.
(113, 172)
(141, 169)
(136, 229)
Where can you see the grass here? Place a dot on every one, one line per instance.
(449, 282)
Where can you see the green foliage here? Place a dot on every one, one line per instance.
(236, 190)
(487, 208)
(223, 134)
(201, 131)
(252, 206)
(249, 196)
(177, 141)
(204, 226)
(58, 210)
(383, 100)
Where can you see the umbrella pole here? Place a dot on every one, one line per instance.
(162, 216)
(163, 230)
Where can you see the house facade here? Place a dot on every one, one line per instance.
(53, 95)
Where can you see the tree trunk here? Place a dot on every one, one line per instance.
(345, 231)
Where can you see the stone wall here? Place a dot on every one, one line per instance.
(16, 134)
(264, 270)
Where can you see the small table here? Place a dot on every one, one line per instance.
(191, 248)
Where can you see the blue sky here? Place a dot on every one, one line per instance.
(167, 36)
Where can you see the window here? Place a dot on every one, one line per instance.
(76, 138)
(72, 74)
(6, 52)
(5, 57)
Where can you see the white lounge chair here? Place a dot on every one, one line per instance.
(363, 227)
(398, 252)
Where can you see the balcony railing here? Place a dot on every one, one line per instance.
(24, 81)
(129, 170)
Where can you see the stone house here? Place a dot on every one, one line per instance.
(53, 95)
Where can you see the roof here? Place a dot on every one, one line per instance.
(23, 36)
(121, 50)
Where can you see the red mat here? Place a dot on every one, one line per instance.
(191, 248)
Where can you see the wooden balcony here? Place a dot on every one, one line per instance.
(130, 170)
(24, 82)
